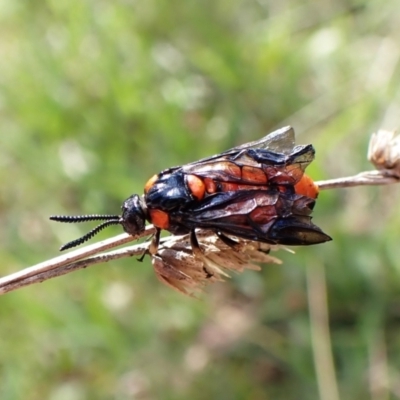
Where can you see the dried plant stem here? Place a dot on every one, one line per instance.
(89, 255)
(366, 178)
(81, 258)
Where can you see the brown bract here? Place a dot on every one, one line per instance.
(384, 151)
(181, 269)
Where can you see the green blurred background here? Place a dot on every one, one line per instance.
(97, 96)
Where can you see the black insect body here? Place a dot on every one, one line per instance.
(257, 191)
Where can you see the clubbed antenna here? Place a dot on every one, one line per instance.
(108, 220)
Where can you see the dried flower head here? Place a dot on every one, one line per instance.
(177, 266)
(384, 151)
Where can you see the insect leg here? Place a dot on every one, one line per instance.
(227, 240)
(154, 242)
(153, 247)
(197, 252)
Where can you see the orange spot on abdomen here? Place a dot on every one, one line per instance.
(263, 215)
(211, 186)
(196, 186)
(253, 175)
(229, 187)
(159, 218)
(307, 187)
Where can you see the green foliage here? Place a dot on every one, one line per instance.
(96, 97)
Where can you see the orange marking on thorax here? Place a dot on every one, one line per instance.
(159, 218)
(196, 186)
(150, 183)
(307, 187)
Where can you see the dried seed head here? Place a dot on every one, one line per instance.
(384, 151)
(178, 267)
